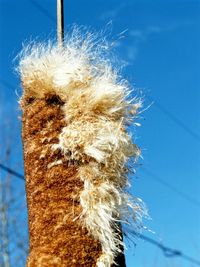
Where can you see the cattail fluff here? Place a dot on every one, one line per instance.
(97, 109)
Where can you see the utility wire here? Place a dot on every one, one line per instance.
(157, 104)
(169, 114)
(43, 10)
(171, 187)
(163, 109)
(150, 173)
(168, 252)
(6, 84)
(11, 171)
(175, 119)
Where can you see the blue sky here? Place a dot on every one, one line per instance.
(161, 58)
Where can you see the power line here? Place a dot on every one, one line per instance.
(172, 187)
(152, 175)
(167, 251)
(43, 10)
(163, 109)
(11, 171)
(175, 119)
(6, 84)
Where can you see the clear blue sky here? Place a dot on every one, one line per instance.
(161, 52)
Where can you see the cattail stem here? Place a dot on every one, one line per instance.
(60, 22)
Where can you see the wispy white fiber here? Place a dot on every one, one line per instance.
(97, 108)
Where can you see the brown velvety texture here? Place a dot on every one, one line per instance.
(56, 236)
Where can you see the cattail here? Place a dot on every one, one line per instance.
(77, 154)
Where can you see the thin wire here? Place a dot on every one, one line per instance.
(175, 119)
(151, 174)
(60, 18)
(11, 171)
(157, 104)
(43, 10)
(172, 187)
(60, 23)
(168, 252)
(6, 84)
